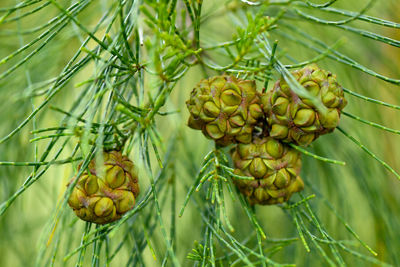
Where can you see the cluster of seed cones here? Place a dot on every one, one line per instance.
(232, 111)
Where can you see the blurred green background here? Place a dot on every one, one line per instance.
(363, 192)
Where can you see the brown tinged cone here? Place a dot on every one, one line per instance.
(275, 167)
(105, 199)
(295, 119)
(225, 109)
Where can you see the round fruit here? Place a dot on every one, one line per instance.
(103, 195)
(225, 109)
(292, 118)
(275, 167)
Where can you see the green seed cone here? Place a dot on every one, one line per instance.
(292, 118)
(225, 109)
(105, 199)
(275, 167)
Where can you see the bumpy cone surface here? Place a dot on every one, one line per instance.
(295, 119)
(105, 199)
(225, 109)
(275, 167)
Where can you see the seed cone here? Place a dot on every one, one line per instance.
(292, 118)
(225, 109)
(105, 199)
(275, 167)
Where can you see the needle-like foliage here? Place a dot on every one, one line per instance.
(82, 76)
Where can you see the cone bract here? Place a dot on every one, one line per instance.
(292, 118)
(225, 109)
(103, 195)
(275, 167)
